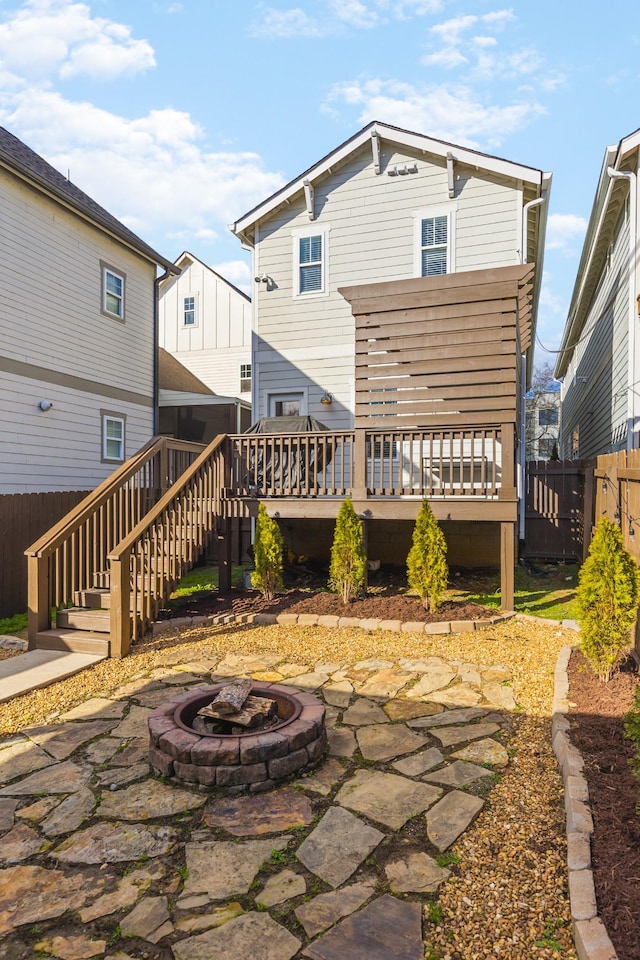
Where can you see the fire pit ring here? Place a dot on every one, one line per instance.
(254, 760)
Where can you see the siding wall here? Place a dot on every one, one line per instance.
(220, 341)
(308, 343)
(51, 330)
(594, 396)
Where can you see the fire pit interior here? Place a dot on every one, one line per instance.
(238, 735)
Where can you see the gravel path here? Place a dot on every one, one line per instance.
(508, 895)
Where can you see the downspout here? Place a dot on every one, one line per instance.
(156, 339)
(631, 330)
(522, 445)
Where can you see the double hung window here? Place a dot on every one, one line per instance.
(310, 260)
(113, 437)
(189, 311)
(434, 241)
(113, 288)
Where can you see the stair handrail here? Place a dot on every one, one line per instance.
(56, 534)
(125, 615)
(58, 548)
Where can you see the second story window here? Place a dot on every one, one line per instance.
(113, 284)
(548, 417)
(433, 245)
(245, 377)
(310, 264)
(189, 311)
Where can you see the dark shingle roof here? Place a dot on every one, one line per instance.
(20, 158)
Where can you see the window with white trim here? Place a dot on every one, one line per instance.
(113, 287)
(189, 311)
(286, 404)
(434, 241)
(310, 259)
(113, 437)
(245, 377)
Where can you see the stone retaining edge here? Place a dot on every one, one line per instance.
(312, 620)
(589, 932)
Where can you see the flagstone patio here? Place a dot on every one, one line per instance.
(98, 858)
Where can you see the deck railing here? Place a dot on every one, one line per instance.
(398, 463)
(146, 565)
(68, 558)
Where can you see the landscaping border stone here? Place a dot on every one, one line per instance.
(589, 932)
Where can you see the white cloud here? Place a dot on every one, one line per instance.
(447, 112)
(286, 24)
(237, 272)
(355, 13)
(448, 58)
(485, 41)
(565, 231)
(47, 38)
(335, 15)
(451, 30)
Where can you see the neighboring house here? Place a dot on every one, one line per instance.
(542, 413)
(190, 410)
(600, 352)
(205, 322)
(427, 229)
(77, 352)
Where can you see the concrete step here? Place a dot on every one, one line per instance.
(39, 668)
(76, 641)
(84, 618)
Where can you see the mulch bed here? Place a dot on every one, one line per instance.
(386, 606)
(597, 715)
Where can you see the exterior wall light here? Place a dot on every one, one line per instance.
(45, 405)
(326, 398)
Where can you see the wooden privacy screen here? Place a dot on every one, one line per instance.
(441, 351)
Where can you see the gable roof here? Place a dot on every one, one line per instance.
(385, 131)
(185, 258)
(24, 162)
(609, 196)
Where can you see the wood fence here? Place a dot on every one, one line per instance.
(564, 501)
(23, 518)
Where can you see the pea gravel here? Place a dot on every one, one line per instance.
(507, 896)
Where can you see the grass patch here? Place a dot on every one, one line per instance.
(14, 624)
(549, 593)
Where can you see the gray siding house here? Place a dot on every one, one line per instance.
(600, 353)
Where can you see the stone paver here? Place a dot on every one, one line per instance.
(450, 817)
(327, 908)
(252, 816)
(80, 792)
(386, 929)
(337, 846)
(416, 873)
(224, 869)
(280, 888)
(387, 798)
(379, 742)
(253, 935)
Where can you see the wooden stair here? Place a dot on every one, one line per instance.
(74, 641)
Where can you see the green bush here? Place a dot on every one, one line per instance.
(427, 570)
(267, 550)
(348, 567)
(608, 595)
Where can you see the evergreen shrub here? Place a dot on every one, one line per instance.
(427, 570)
(608, 596)
(348, 567)
(267, 551)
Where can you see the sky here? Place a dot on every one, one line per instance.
(179, 116)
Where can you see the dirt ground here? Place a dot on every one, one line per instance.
(597, 714)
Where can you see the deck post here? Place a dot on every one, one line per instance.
(507, 565)
(365, 547)
(120, 626)
(508, 478)
(224, 556)
(38, 597)
(360, 465)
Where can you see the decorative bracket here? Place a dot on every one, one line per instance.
(451, 176)
(308, 197)
(375, 148)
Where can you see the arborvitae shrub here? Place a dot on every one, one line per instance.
(267, 552)
(427, 570)
(632, 731)
(347, 571)
(608, 595)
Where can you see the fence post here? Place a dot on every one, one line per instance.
(120, 588)
(38, 603)
(507, 565)
(224, 556)
(587, 509)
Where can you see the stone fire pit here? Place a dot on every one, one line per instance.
(254, 760)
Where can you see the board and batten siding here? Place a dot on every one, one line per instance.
(219, 341)
(594, 394)
(55, 339)
(307, 343)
